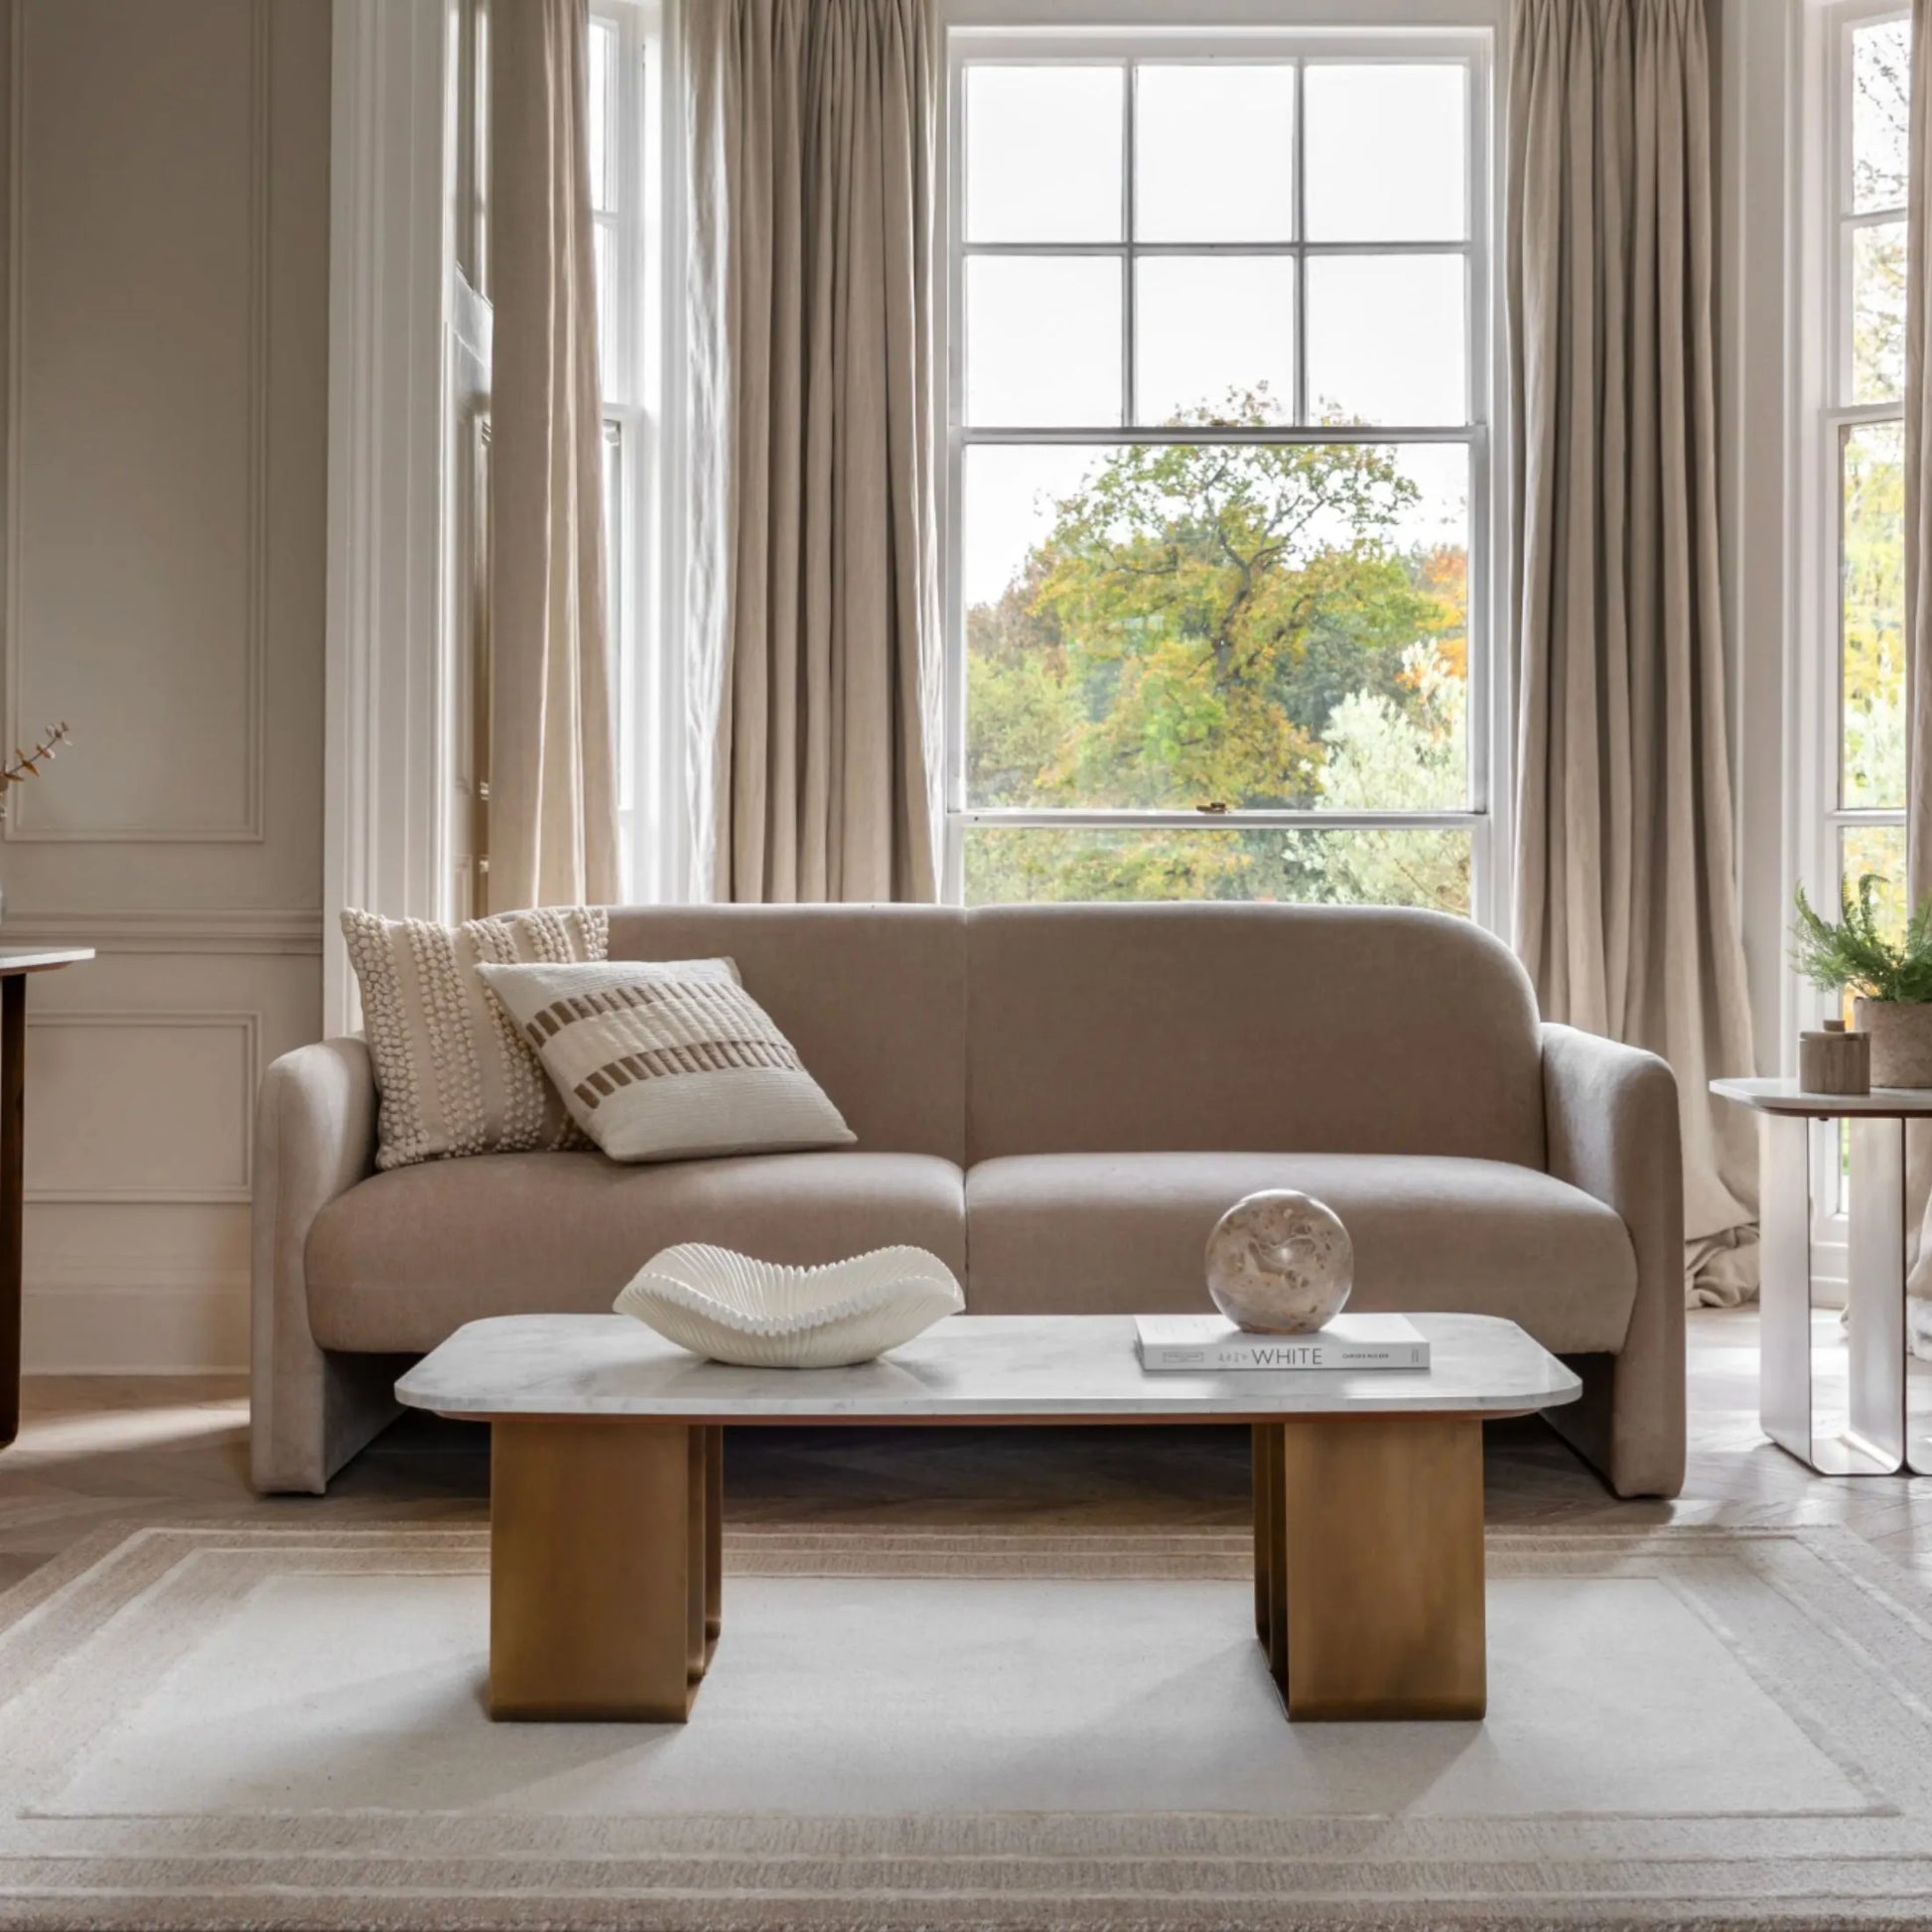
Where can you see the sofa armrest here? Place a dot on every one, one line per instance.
(1612, 1125)
(315, 1139)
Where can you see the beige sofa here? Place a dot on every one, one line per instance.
(1060, 1101)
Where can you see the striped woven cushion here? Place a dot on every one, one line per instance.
(660, 1063)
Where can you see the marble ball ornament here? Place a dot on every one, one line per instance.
(1279, 1263)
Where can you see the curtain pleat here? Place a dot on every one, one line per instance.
(814, 644)
(553, 809)
(1626, 914)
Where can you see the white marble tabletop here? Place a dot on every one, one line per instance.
(1789, 1097)
(1061, 1367)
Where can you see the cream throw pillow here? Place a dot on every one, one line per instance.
(453, 1075)
(659, 1064)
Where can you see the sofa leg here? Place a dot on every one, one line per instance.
(313, 1418)
(1626, 1435)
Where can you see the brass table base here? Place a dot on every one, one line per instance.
(605, 1545)
(1368, 1564)
(603, 1567)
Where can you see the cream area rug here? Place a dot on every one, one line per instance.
(283, 1727)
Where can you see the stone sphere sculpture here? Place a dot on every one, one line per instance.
(1280, 1264)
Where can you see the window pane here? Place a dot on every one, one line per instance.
(1873, 587)
(1008, 865)
(1043, 153)
(1216, 338)
(1878, 312)
(1388, 339)
(1214, 152)
(1386, 152)
(1881, 67)
(1170, 627)
(603, 70)
(1879, 850)
(1043, 340)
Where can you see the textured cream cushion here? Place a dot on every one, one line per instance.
(454, 1076)
(660, 1065)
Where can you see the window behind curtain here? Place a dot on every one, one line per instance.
(1218, 468)
(1864, 441)
(625, 124)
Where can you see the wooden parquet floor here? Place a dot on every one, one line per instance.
(100, 1451)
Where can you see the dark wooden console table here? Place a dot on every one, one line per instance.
(16, 962)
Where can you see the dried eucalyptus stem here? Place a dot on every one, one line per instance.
(27, 765)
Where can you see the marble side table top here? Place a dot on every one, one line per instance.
(962, 1369)
(1789, 1097)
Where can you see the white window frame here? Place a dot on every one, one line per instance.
(1823, 245)
(641, 414)
(975, 40)
(1829, 358)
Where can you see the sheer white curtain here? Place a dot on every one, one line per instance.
(814, 645)
(1626, 913)
(553, 811)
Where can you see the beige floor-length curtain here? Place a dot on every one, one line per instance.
(814, 648)
(553, 807)
(1626, 912)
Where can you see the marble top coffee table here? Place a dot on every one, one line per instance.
(606, 1490)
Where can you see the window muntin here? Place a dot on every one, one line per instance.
(1217, 468)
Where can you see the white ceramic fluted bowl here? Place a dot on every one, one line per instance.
(761, 1315)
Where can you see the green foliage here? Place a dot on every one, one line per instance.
(1222, 624)
(1856, 953)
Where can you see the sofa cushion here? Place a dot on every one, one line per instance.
(1085, 1233)
(655, 1064)
(455, 1075)
(404, 1259)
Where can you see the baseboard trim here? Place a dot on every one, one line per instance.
(124, 1327)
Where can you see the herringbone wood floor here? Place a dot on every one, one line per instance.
(95, 1451)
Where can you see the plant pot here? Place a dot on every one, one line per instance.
(1901, 1041)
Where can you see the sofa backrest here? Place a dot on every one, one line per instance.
(1120, 1028)
(873, 998)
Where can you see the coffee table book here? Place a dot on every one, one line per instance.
(1171, 1343)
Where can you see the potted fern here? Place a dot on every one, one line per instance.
(1890, 978)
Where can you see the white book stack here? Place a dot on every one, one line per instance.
(1176, 1343)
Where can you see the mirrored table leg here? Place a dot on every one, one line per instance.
(1875, 1302)
(1784, 1283)
(1872, 1440)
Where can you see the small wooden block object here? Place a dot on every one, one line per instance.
(1835, 1060)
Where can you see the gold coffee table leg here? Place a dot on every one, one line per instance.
(601, 1585)
(1270, 1585)
(1370, 1530)
(714, 1534)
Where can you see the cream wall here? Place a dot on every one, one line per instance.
(167, 262)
